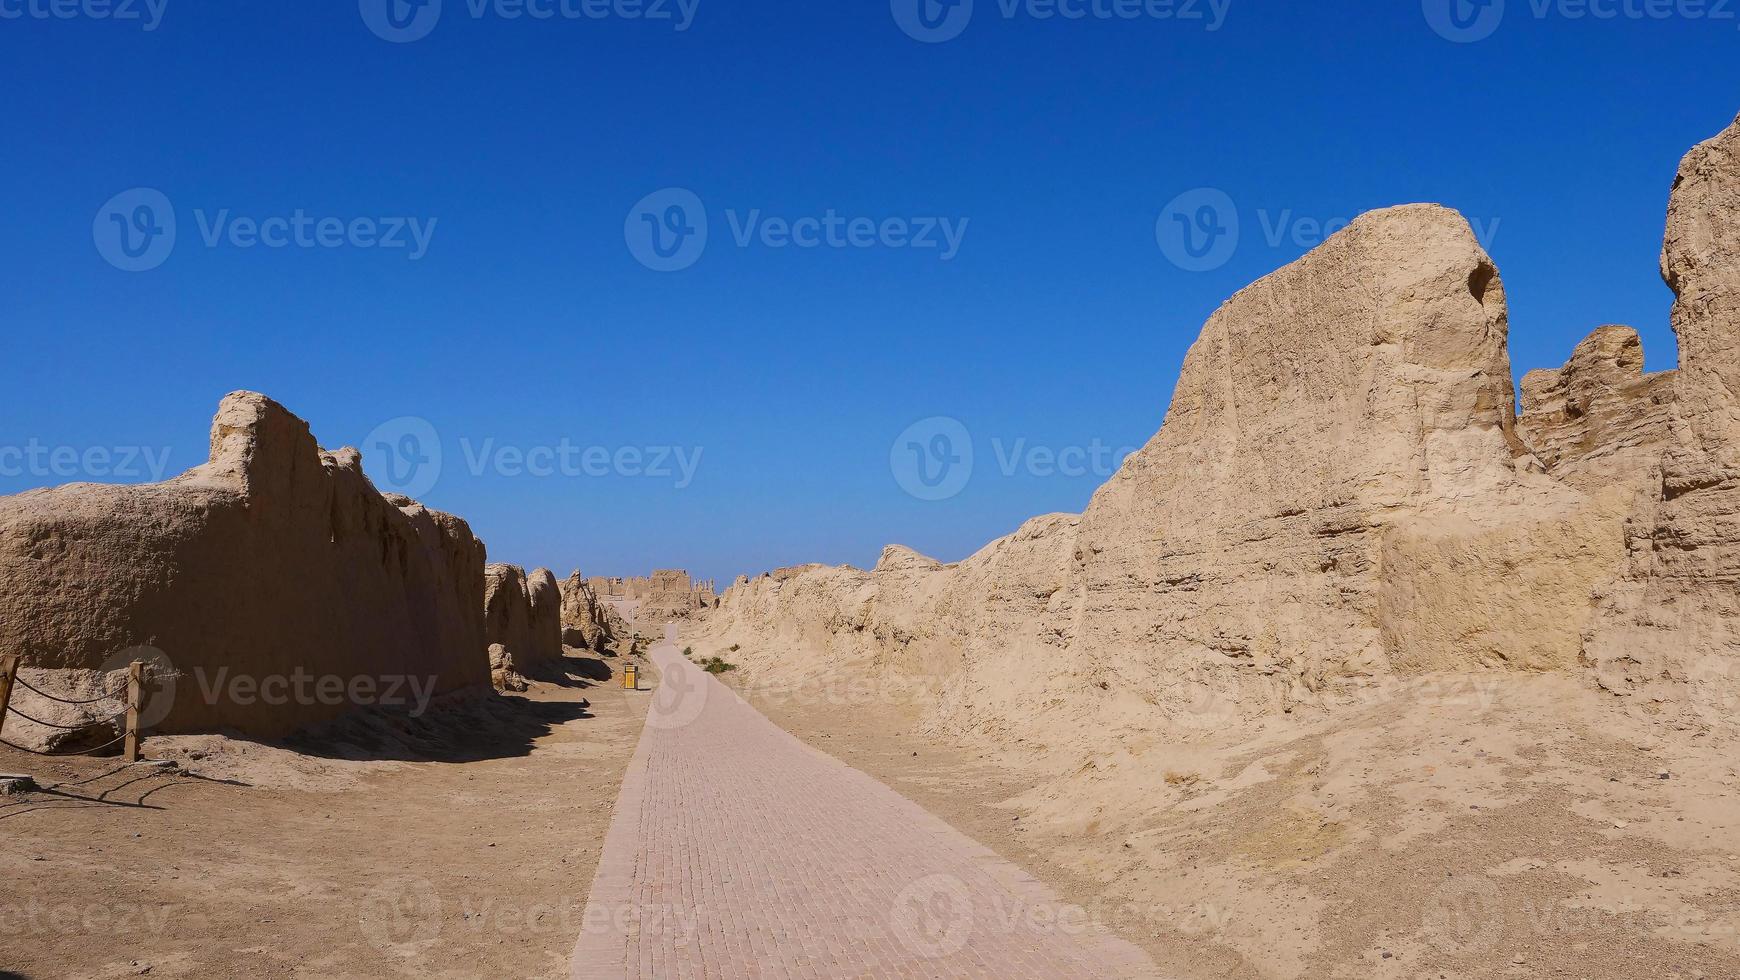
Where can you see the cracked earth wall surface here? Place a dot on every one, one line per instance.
(1343, 491)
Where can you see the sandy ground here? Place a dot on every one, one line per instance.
(382, 849)
(1446, 828)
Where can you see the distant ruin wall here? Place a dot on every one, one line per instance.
(667, 586)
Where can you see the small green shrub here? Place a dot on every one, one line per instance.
(714, 665)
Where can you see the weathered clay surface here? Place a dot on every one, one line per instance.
(523, 614)
(504, 673)
(1599, 419)
(1341, 491)
(1674, 619)
(275, 559)
(588, 623)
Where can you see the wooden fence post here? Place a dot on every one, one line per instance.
(135, 691)
(8, 670)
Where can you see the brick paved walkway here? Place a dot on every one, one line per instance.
(738, 851)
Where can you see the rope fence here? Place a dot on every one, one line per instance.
(111, 696)
(133, 692)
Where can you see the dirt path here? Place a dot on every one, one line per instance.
(738, 851)
(468, 866)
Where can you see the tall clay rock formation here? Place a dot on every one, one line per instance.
(522, 614)
(1342, 490)
(1675, 616)
(274, 559)
(1599, 419)
(587, 622)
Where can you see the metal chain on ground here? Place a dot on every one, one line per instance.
(21, 682)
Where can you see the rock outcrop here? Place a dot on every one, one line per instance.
(503, 672)
(1674, 618)
(587, 622)
(1599, 419)
(1341, 491)
(272, 562)
(544, 597)
(522, 614)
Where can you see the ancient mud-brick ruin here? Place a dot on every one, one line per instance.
(663, 586)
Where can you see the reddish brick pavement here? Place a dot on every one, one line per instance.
(738, 851)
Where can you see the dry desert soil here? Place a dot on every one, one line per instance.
(391, 849)
(1450, 829)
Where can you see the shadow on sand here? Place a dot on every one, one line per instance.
(468, 726)
(576, 669)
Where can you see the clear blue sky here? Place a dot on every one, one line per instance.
(1060, 321)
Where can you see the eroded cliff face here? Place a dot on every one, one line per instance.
(1599, 419)
(1341, 491)
(587, 622)
(275, 559)
(1674, 618)
(522, 617)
